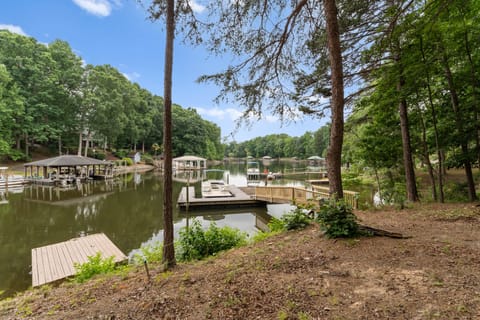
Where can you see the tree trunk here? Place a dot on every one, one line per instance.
(334, 154)
(26, 146)
(474, 84)
(435, 129)
(87, 142)
(80, 136)
(426, 155)
(168, 248)
(59, 145)
(459, 122)
(410, 183)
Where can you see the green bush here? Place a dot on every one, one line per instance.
(128, 161)
(17, 155)
(148, 159)
(276, 225)
(95, 265)
(456, 191)
(120, 153)
(337, 220)
(195, 243)
(296, 219)
(150, 252)
(100, 155)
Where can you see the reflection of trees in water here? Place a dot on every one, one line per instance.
(127, 212)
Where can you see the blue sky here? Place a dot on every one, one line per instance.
(118, 32)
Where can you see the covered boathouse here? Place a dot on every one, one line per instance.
(66, 169)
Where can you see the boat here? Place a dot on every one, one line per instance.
(215, 188)
(253, 170)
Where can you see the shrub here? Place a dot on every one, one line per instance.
(276, 225)
(17, 155)
(120, 153)
(296, 219)
(148, 159)
(100, 155)
(95, 265)
(150, 252)
(195, 243)
(337, 220)
(128, 161)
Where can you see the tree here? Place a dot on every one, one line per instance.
(11, 108)
(168, 246)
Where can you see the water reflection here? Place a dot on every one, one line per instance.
(127, 209)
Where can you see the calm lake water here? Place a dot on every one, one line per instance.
(127, 209)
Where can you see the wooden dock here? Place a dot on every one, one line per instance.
(57, 261)
(239, 198)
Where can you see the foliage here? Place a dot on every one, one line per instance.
(337, 220)
(120, 153)
(55, 98)
(456, 191)
(95, 265)
(295, 219)
(100, 155)
(196, 243)
(148, 159)
(276, 225)
(150, 252)
(128, 161)
(282, 145)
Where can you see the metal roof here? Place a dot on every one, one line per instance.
(66, 161)
(189, 158)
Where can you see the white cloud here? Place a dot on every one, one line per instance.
(196, 7)
(131, 76)
(220, 114)
(12, 28)
(101, 8)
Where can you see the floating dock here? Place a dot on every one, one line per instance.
(239, 198)
(57, 261)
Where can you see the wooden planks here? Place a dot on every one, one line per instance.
(54, 262)
(239, 198)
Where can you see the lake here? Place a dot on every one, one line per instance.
(128, 209)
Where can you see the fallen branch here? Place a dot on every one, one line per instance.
(381, 233)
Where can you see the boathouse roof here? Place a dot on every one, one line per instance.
(189, 158)
(66, 161)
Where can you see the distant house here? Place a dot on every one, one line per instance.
(136, 157)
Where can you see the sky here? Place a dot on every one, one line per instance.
(119, 33)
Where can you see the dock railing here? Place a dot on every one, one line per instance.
(282, 194)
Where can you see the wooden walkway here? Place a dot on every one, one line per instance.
(54, 262)
(239, 198)
(282, 194)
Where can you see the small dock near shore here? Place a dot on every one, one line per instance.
(57, 261)
(240, 197)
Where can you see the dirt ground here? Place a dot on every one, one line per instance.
(435, 274)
